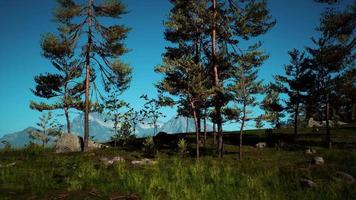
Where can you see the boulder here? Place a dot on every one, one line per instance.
(312, 123)
(308, 183)
(345, 176)
(68, 143)
(261, 145)
(318, 160)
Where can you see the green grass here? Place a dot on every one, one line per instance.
(269, 173)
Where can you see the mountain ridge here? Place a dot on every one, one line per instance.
(100, 129)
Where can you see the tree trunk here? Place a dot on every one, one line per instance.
(353, 117)
(87, 77)
(196, 128)
(296, 113)
(241, 132)
(214, 133)
(187, 127)
(221, 135)
(199, 123)
(66, 113)
(216, 79)
(327, 124)
(205, 131)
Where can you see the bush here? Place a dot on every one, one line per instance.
(34, 149)
(182, 146)
(149, 146)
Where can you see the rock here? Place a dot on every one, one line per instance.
(345, 176)
(310, 151)
(69, 143)
(94, 145)
(308, 183)
(318, 160)
(312, 123)
(108, 162)
(261, 145)
(144, 161)
(8, 165)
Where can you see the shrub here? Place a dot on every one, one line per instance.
(149, 146)
(182, 146)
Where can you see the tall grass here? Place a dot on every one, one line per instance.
(267, 174)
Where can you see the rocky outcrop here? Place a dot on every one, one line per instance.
(68, 143)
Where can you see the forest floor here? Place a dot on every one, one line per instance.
(274, 172)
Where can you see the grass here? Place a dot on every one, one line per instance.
(271, 173)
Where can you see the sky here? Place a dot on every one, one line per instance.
(23, 22)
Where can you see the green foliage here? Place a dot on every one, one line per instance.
(259, 122)
(272, 106)
(149, 146)
(182, 146)
(151, 112)
(48, 128)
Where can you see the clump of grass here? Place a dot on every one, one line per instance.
(182, 146)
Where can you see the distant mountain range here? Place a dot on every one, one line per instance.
(101, 130)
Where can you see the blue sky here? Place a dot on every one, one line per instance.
(23, 22)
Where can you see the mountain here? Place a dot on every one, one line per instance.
(101, 130)
(179, 125)
(17, 139)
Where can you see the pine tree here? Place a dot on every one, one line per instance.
(151, 112)
(48, 128)
(213, 28)
(190, 87)
(64, 87)
(259, 122)
(102, 47)
(246, 86)
(295, 83)
(231, 21)
(331, 54)
(272, 106)
(185, 27)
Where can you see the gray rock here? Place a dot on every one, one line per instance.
(308, 183)
(108, 162)
(144, 161)
(312, 123)
(68, 143)
(261, 145)
(318, 160)
(94, 145)
(345, 176)
(310, 151)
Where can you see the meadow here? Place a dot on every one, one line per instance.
(270, 173)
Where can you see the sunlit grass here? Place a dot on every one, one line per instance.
(263, 174)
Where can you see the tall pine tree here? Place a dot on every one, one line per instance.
(65, 87)
(101, 46)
